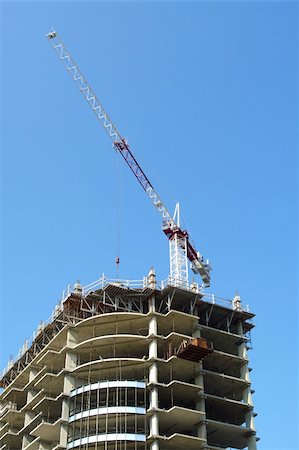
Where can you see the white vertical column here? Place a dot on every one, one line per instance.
(247, 397)
(151, 279)
(153, 374)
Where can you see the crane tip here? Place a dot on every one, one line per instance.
(51, 35)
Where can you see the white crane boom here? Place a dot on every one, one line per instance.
(180, 246)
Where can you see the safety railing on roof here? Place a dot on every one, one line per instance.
(102, 282)
(147, 282)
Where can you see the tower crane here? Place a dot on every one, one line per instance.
(180, 248)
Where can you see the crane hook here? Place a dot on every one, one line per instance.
(117, 265)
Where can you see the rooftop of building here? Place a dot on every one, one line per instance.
(106, 295)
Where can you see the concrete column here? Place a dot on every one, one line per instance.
(30, 394)
(244, 372)
(155, 445)
(153, 326)
(247, 397)
(151, 278)
(152, 349)
(200, 406)
(154, 425)
(29, 415)
(72, 338)
(68, 385)
(33, 373)
(152, 331)
(154, 419)
(69, 382)
(154, 431)
(154, 401)
(44, 446)
(153, 373)
(252, 442)
(152, 304)
(153, 376)
(26, 440)
(200, 402)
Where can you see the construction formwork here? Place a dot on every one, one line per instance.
(133, 365)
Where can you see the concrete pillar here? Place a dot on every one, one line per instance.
(152, 331)
(154, 419)
(200, 402)
(30, 394)
(247, 397)
(70, 360)
(26, 440)
(68, 385)
(152, 304)
(200, 406)
(29, 415)
(153, 326)
(44, 446)
(33, 373)
(252, 442)
(154, 402)
(151, 278)
(152, 350)
(244, 371)
(69, 382)
(155, 445)
(153, 375)
(64, 426)
(154, 427)
(72, 338)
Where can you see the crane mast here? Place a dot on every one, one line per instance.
(180, 247)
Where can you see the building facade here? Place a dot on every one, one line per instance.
(127, 365)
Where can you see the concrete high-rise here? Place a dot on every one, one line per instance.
(133, 365)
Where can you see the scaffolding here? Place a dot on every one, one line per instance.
(109, 295)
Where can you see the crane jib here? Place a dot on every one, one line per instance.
(123, 148)
(169, 226)
(125, 152)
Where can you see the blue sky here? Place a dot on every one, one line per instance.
(206, 93)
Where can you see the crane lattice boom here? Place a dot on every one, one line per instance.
(180, 246)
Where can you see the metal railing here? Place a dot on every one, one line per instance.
(104, 281)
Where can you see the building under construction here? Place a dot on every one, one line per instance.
(133, 365)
